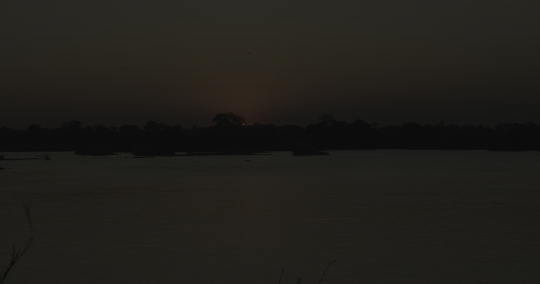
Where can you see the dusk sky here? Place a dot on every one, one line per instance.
(120, 62)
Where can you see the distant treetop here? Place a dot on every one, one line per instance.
(228, 120)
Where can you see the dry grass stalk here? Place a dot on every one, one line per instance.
(299, 281)
(18, 252)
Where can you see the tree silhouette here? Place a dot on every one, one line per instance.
(228, 120)
(72, 126)
(231, 135)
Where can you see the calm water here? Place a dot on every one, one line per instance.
(385, 216)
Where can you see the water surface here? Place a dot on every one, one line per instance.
(385, 216)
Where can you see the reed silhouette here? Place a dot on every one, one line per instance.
(18, 251)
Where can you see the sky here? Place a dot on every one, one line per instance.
(118, 62)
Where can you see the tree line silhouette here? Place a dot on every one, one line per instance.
(230, 134)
